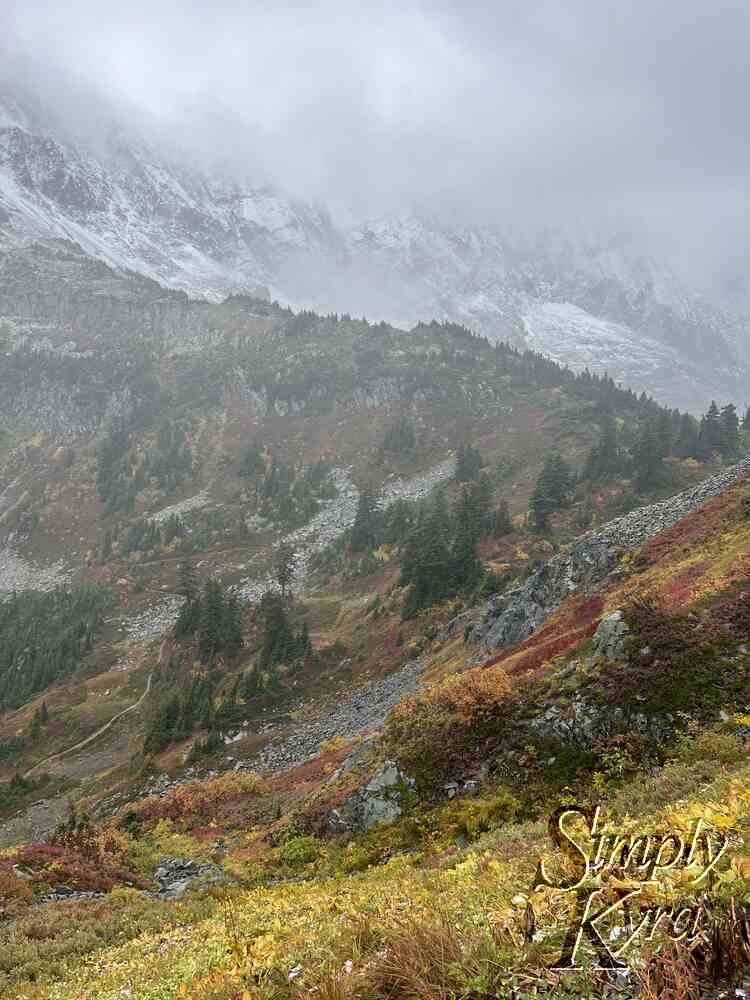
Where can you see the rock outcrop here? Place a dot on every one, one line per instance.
(175, 876)
(381, 800)
(609, 638)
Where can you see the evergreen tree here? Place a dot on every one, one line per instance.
(44, 714)
(427, 562)
(604, 461)
(466, 566)
(552, 491)
(366, 528)
(746, 419)
(251, 463)
(664, 435)
(468, 464)
(187, 585)
(482, 500)
(189, 615)
(105, 553)
(304, 645)
(647, 459)
(688, 442)
(161, 731)
(400, 437)
(502, 524)
(711, 435)
(284, 566)
(211, 620)
(730, 427)
(250, 684)
(279, 645)
(232, 633)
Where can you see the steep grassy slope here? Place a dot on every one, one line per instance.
(647, 721)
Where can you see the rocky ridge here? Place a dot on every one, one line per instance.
(512, 617)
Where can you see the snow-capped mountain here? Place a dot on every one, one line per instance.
(585, 302)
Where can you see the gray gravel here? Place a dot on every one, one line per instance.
(17, 573)
(365, 709)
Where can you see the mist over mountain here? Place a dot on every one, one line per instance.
(402, 165)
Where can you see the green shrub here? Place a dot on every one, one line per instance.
(298, 851)
(469, 817)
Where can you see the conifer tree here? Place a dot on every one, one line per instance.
(711, 434)
(232, 633)
(284, 566)
(426, 562)
(106, 550)
(664, 436)
(280, 645)
(502, 524)
(466, 567)
(187, 585)
(365, 530)
(647, 457)
(468, 464)
(552, 491)
(730, 428)
(211, 620)
(687, 444)
(604, 460)
(400, 438)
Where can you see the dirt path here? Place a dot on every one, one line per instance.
(95, 735)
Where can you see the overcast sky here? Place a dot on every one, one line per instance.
(508, 109)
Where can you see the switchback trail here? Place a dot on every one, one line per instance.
(93, 736)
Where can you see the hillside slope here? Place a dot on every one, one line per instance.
(629, 696)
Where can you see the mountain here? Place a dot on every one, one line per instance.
(139, 205)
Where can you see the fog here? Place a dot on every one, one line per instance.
(585, 114)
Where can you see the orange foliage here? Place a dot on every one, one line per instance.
(198, 799)
(433, 730)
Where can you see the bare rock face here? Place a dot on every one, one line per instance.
(381, 800)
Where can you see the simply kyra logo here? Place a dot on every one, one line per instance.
(615, 878)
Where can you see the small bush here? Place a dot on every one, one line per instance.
(469, 817)
(298, 851)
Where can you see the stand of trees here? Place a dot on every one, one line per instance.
(401, 437)
(281, 643)
(287, 495)
(121, 475)
(210, 615)
(468, 464)
(661, 434)
(439, 557)
(45, 637)
(552, 491)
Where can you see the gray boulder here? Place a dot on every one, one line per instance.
(175, 876)
(610, 636)
(381, 800)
